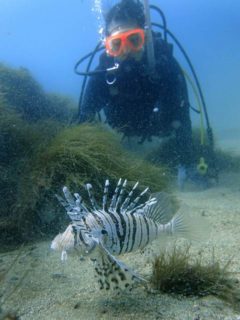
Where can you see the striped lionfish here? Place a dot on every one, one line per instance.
(123, 226)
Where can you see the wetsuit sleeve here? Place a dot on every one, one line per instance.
(94, 99)
(176, 110)
(183, 131)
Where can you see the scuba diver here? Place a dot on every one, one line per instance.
(139, 84)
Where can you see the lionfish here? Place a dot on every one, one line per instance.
(119, 226)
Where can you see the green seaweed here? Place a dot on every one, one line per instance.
(176, 272)
(92, 153)
(20, 142)
(75, 156)
(217, 161)
(84, 154)
(22, 93)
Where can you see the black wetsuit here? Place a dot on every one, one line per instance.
(140, 105)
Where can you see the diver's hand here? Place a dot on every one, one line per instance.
(181, 176)
(192, 175)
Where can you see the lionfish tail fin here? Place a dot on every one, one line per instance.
(192, 227)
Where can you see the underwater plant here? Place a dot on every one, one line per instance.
(217, 161)
(24, 94)
(20, 143)
(93, 153)
(72, 157)
(16, 139)
(176, 272)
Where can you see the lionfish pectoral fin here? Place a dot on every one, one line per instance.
(113, 274)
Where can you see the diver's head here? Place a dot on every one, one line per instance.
(125, 34)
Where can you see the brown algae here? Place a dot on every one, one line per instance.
(175, 272)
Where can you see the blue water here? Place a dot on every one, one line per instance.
(48, 37)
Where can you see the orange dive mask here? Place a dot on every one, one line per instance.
(132, 40)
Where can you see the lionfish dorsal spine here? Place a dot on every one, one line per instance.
(68, 197)
(75, 209)
(79, 203)
(114, 197)
(119, 198)
(143, 206)
(124, 206)
(136, 200)
(77, 196)
(64, 203)
(105, 195)
(91, 197)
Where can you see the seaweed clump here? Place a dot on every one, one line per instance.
(217, 160)
(91, 153)
(39, 155)
(75, 156)
(20, 143)
(23, 94)
(29, 119)
(175, 272)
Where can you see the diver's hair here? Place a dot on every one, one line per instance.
(126, 11)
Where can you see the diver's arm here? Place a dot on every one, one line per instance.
(184, 137)
(175, 107)
(182, 114)
(183, 131)
(173, 97)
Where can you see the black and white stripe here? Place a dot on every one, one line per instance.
(126, 223)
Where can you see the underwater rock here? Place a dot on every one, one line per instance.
(23, 94)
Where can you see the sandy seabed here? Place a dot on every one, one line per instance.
(50, 290)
